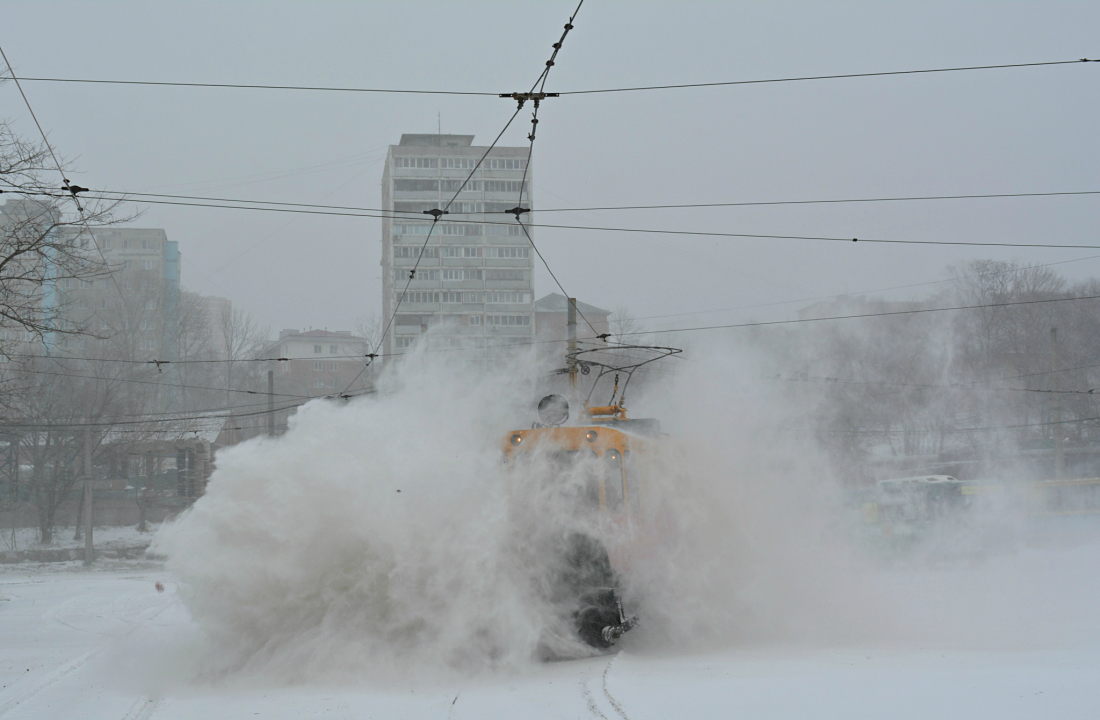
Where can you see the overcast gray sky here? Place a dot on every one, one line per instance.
(997, 131)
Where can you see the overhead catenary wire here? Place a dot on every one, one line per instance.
(595, 91)
(135, 381)
(117, 195)
(858, 316)
(438, 213)
(177, 418)
(519, 210)
(837, 201)
(889, 313)
(72, 191)
(355, 212)
(859, 292)
(435, 221)
(930, 386)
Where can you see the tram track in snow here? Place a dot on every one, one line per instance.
(590, 700)
(51, 678)
(607, 693)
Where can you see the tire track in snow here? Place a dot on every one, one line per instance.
(614, 703)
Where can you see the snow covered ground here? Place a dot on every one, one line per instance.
(105, 538)
(104, 643)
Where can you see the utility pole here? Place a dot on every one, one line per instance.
(571, 358)
(88, 493)
(271, 403)
(1059, 451)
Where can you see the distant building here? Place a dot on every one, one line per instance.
(218, 312)
(474, 278)
(551, 319)
(139, 306)
(318, 363)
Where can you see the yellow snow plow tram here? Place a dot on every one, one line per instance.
(601, 462)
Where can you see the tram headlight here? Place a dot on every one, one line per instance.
(614, 454)
(516, 439)
(591, 436)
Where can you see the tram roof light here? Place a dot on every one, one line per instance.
(591, 436)
(516, 439)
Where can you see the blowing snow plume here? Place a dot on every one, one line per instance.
(385, 534)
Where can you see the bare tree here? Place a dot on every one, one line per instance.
(625, 328)
(45, 244)
(242, 339)
(369, 327)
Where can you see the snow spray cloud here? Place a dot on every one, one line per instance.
(372, 535)
(383, 534)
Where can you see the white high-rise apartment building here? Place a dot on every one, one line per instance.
(473, 286)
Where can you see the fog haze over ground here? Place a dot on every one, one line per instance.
(995, 131)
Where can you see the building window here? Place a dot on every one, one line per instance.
(419, 297)
(333, 349)
(82, 304)
(458, 163)
(403, 274)
(517, 253)
(504, 186)
(317, 348)
(472, 252)
(456, 275)
(319, 382)
(460, 230)
(416, 185)
(454, 185)
(334, 366)
(503, 274)
(125, 244)
(404, 342)
(104, 304)
(148, 264)
(505, 164)
(452, 297)
(500, 229)
(474, 320)
(507, 319)
(317, 365)
(411, 229)
(411, 162)
(507, 297)
(415, 252)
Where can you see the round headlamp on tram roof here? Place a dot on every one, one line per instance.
(614, 454)
(591, 436)
(516, 439)
(553, 410)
